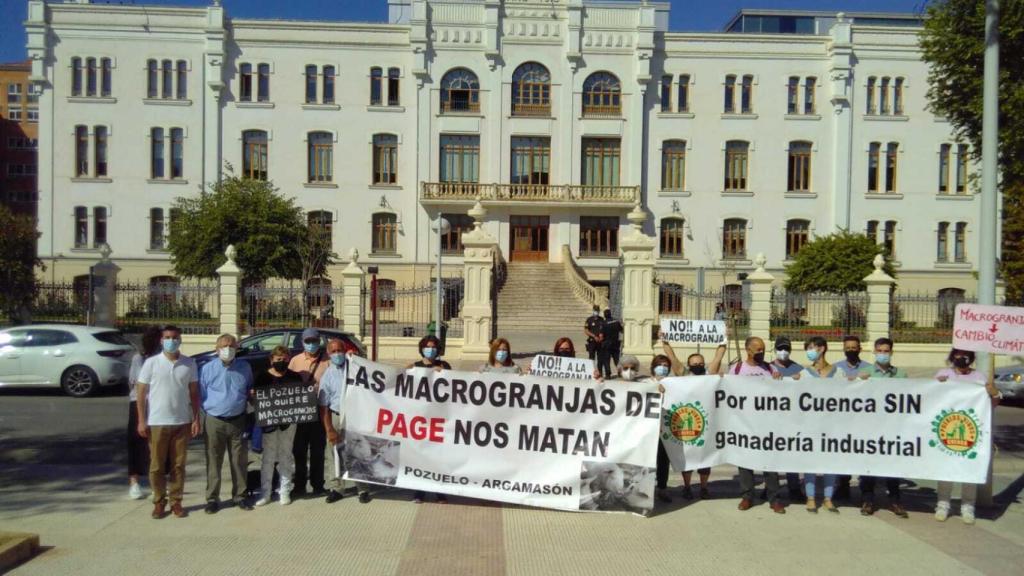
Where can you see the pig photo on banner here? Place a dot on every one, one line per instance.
(553, 443)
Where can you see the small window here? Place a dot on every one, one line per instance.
(734, 239)
(599, 236)
(460, 91)
(870, 108)
(393, 93)
(944, 157)
(666, 93)
(76, 76)
(736, 165)
(328, 95)
(673, 165)
(156, 229)
(809, 102)
(672, 235)
(100, 136)
(891, 159)
(874, 149)
(942, 242)
(254, 154)
(883, 97)
(792, 91)
(311, 82)
(81, 227)
(889, 239)
(245, 83)
(177, 153)
(156, 145)
(960, 242)
(602, 95)
(385, 159)
(385, 233)
(321, 155)
(322, 221)
(90, 76)
(798, 234)
(182, 80)
(897, 97)
(99, 226)
(167, 79)
(82, 151)
(747, 95)
(106, 77)
(871, 230)
(451, 243)
(376, 89)
(961, 168)
(730, 94)
(152, 79)
(263, 85)
(799, 173)
(683, 100)
(670, 299)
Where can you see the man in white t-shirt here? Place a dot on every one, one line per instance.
(168, 404)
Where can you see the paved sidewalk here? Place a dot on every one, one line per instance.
(88, 527)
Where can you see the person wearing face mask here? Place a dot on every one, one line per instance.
(961, 370)
(592, 328)
(168, 403)
(695, 366)
(278, 440)
(224, 387)
(661, 367)
(882, 368)
(609, 344)
(138, 447)
(784, 365)
(564, 348)
(500, 358)
(310, 440)
(817, 367)
(852, 367)
(332, 415)
(430, 358)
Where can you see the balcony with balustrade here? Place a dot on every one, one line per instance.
(466, 193)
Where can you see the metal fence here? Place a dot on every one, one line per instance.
(923, 318)
(831, 316)
(408, 311)
(683, 302)
(192, 306)
(57, 302)
(289, 304)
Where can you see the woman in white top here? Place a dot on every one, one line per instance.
(961, 370)
(138, 447)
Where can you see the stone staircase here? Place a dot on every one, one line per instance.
(537, 297)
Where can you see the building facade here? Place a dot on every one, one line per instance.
(19, 138)
(559, 115)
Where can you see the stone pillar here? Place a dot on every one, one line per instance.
(1000, 292)
(478, 262)
(637, 294)
(761, 301)
(879, 287)
(229, 275)
(104, 280)
(352, 295)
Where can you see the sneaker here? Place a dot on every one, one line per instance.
(967, 513)
(364, 497)
(942, 511)
(135, 492)
(263, 501)
(285, 498)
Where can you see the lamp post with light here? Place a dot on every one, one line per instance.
(442, 227)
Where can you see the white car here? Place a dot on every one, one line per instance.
(79, 359)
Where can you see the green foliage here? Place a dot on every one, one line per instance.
(265, 227)
(837, 263)
(18, 261)
(953, 43)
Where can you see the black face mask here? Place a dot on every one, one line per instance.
(961, 362)
(564, 353)
(698, 370)
(281, 366)
(759, 357)
(852, 356)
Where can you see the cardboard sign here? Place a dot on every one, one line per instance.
(995, 329)
(679, 331)
(290, 404)
(562, 367)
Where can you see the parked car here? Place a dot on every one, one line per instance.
(1010, 381)
(256, 349)
(79, 359)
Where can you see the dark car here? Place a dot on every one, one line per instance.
(256, 349)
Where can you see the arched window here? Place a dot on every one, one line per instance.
(799, 174)
(947, 300)
(81, 227)
(254, 154)
(385, 294)
(460, 91)
(734, 238)
(732, 296)
(318, 293)
(531, 90)
(385, 159)
(163, 290)
(245, 82)
(798, 234)
(670, 298)
(672, 234)
(673, 165)
(385, 233)
(737, 162)
(322, 222)
(321, 153)
(602, 95)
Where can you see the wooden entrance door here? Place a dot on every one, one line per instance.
(529, 239)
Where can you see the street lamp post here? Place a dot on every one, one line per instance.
(442, 227)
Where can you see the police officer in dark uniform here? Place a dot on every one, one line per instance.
(592, 328)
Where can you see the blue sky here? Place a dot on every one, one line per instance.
(686, 14)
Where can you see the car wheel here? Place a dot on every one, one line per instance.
(79, 381)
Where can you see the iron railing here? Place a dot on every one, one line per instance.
(192, 306)
(57, 302)
(289, 304)
(923, 318)
(682, 302)
(831, 316)
(409, 311)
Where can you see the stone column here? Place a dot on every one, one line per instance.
(879, 287)
(637, 294)
(761, 301)
(104, 280)
(352, 295)
(478, 262)
(229, 275)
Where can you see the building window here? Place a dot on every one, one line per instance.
(730, 94)
(960, 242)
(254, 154)
(99, 226)
(891, 152)
(321, 154)
(670, 299)
(531, 160)
(673, 165)
(531, 90)
(156, 146)
(451, 243)
(941, 242)
(151, 78)
(13, 93)
(873, 151)
(245, 82)
(460, 91)
(385, 233)
(166, 79)
(318, 293)
(460, 158)
(798, 234)
(870, 96)
(747, 95)
(683, 100)
(666, 93)
(76, 76)
(328, 89)
(322, 222)
(311, 82)
(871, 230)
(81, 227)
(32, 115)
(792, 94)
(672, 234)
(961, 168)
(106, 77)
(883, 96)
(182, 80)
(944, 154)
(385, 294)
(889, 239)
(90, 76)
(799, 176)
(156, 229)
(263, 82)
(734, 238)
(809, 99)
(177, 152)
(602, 95)
(601, 158)
(376, 96)
(736, 164)
(394, 75)
(897, 97)
(385, 159)
(81, 151)
(599, 236)
(100, 136)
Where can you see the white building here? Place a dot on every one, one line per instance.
(559, 114)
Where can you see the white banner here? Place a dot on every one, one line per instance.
(995, 329)
(562, 367)
(566, 444)
(907, 428)
(693, 331)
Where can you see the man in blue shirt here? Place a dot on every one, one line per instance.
(332, 415)
(224, 387)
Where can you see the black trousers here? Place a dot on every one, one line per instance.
(661, 472)
(867, 488)
(310, 449)
(138, 447)
(604, 358)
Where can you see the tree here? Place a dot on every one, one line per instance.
(837, 263)
(315, 255)
(18, 262)
(953, 44)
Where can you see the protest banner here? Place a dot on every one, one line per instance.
(564, 444)
(903, 428)
(288, 404)
(995, 329)
(679, 331)
(562, 367)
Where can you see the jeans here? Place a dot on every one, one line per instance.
(828, 479)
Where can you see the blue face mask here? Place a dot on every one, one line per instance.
(661, 371)
(338, 359)
(170, 345)
(429, 353)
(310, 347)
(883, 359)
(813, 355)
(501, 355)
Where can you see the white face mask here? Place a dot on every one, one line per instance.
(782, 355)
(628, 373)
(226, 353)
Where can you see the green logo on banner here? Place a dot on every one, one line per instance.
(956, 433)
(686, 423)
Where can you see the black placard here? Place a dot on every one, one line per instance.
(289, 404)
